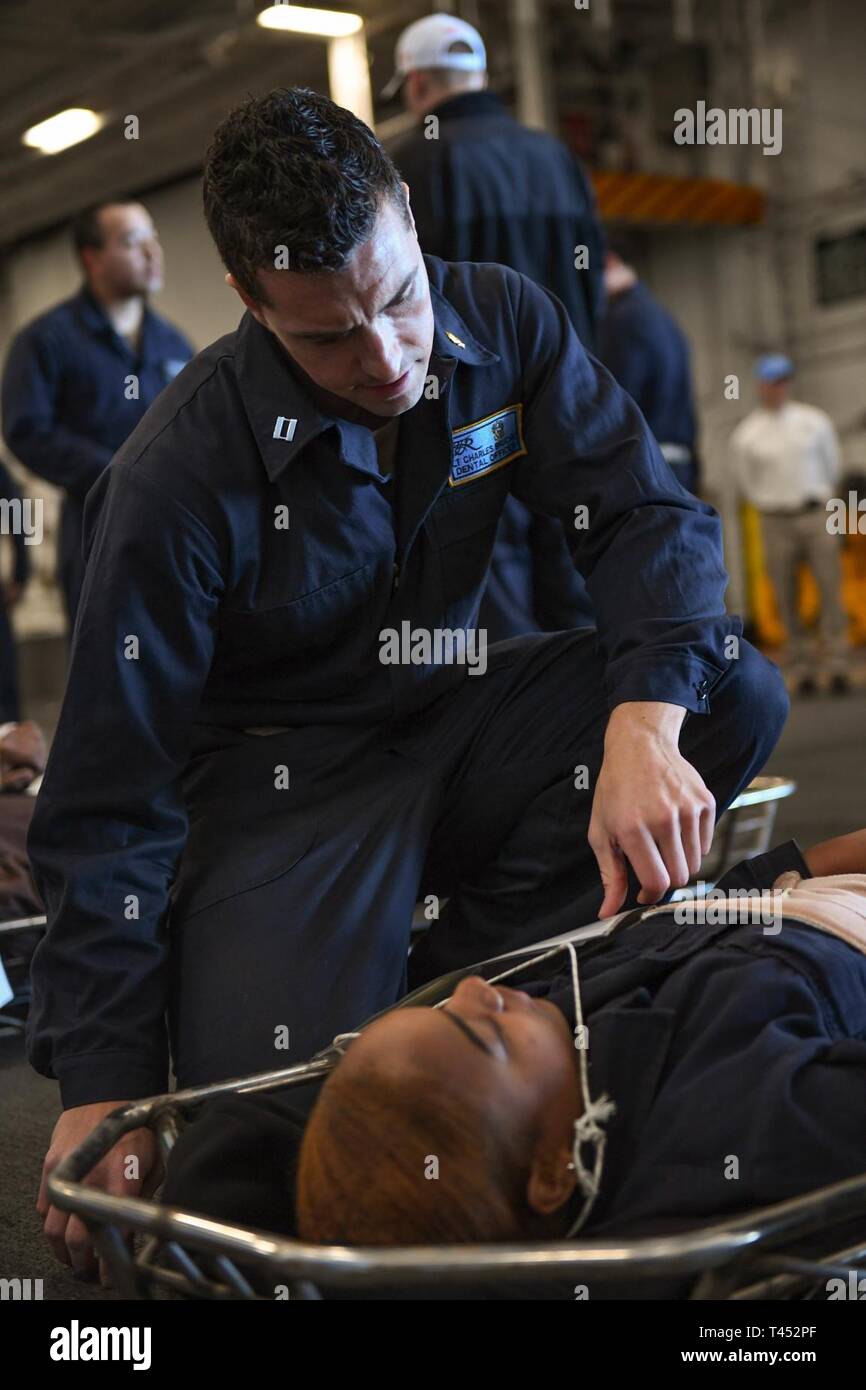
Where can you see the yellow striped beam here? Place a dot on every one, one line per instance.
(660, 200)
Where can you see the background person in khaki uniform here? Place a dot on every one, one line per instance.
(787, 462)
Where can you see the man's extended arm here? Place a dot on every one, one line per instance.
(651, 556)
(109, 823)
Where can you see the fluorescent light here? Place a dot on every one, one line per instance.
(302, 19)
(65, 129)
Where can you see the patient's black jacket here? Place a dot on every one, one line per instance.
(736, 1059)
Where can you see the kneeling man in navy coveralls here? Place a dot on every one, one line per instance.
(282, 727)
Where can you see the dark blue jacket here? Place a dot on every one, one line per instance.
(490, 189)
(532, 585)
(648, 353)
(68, 404)
(714, 1042)
(240, 620)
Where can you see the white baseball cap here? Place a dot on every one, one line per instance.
(426, 44)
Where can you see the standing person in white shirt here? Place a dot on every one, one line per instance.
(788, 466)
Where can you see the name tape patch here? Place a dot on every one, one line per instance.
(486, 444)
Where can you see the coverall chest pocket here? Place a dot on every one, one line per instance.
(308, 619)
(464, 511)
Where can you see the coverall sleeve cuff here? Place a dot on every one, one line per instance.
(688, 684)
(91, 1077)
(763, 869)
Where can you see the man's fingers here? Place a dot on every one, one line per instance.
(690, 829)
(643, 854)
(708, 824)
(671, 846)
(54, 1228)
(80, 1246)
(613, 874)
(42, 1202)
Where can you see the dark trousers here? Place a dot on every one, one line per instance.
(293, 905)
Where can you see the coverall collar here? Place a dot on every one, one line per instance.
(283, 415)
(481, 103)
(451, 337)
(95, 318)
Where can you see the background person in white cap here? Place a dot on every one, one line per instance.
(485, 188)
(787, 462)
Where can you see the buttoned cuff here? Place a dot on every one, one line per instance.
(688, 683)
(90, 1077)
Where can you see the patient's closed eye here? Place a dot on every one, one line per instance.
(475, 1036)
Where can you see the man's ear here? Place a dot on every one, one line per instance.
(248, 301)
(86, 256)
(405, 188)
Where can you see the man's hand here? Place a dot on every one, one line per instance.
(22, 756)
(67, 1235)
(651, 807)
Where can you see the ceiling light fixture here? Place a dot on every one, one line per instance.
(66, 128)
(303, 19)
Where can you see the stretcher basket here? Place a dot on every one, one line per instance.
(746, 828)
(181, 1253)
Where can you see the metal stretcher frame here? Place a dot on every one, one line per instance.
(747, 1257)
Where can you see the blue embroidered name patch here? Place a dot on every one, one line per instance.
(486, 444)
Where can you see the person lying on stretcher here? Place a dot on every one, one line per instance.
(725, 1068)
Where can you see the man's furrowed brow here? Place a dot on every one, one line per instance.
(403, 288)
(344, 332)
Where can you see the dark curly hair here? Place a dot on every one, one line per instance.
(293, 169)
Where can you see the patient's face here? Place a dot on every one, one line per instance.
(523, 1043)
(514, 1052)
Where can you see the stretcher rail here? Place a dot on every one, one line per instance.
(194, 1256)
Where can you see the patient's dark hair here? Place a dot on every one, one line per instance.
(294, 169)
(369, 1146)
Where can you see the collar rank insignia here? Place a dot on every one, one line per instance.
(452, 338)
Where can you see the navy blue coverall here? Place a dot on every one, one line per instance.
(643, 346)
(242, 567)
(69, 403)
(711, 1041)
(490, 189)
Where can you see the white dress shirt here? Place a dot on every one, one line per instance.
(785, 458)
